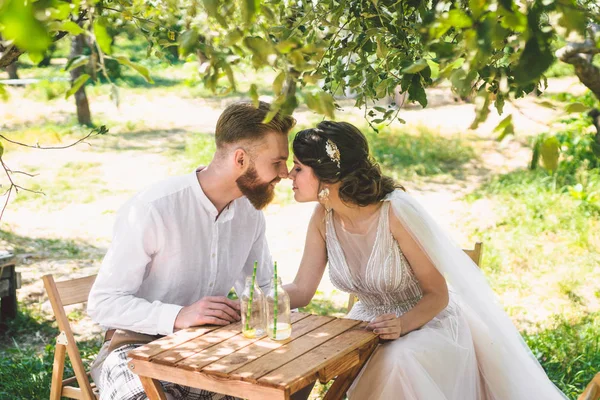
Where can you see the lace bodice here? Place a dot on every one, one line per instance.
(382, 279)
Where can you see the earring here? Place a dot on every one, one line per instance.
(324, 198)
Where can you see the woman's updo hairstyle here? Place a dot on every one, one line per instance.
(362, 182)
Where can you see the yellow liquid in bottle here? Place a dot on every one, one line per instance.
(253, 333)
(284, 331)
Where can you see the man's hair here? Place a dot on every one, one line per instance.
(242, 121)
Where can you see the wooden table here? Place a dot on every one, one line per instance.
(222, 360)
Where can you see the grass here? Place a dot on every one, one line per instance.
(26, 356)
(70, 183)
(542, 245)
(48, 248)
(569, 352)
(424, 153)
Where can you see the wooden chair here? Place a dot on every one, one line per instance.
(474, 253)
(63, 294)
(592, 390)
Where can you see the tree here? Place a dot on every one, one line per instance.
(494, 50)
(498, 49)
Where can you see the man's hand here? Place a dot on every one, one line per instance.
(387, 326)
(210, 310)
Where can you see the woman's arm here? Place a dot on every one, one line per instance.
(432, 283)
(313, 262)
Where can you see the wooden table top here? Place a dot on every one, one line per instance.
(319, 348)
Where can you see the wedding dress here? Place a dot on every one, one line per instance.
(469, 351)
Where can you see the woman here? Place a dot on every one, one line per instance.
(444, 334)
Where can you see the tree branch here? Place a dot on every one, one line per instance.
(94, 132)
(11, 54)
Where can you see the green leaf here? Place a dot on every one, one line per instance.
(102, 37)
(278, 83)
(77, 84)
(321, 102)
(550, 150)
(72, 28)
(19, 24)
(36, 57)
(275, 106)
(137, 67)
(416, 67)
(546, 104)
(382, 49)
(1, 147)
(505, 128)
(249, 9)
(76, 62)
(286, 46)
(572, 19)
(534, 61)
(188, 41)
(459, 19)
(3, 93)
(482, 107)
(417, 92)
(233, 37)
(60, 10)
(254, 94)
(576, 108)
(261, 49)
(230, 75)
(212, 9)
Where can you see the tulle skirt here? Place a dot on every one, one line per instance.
(436, 362)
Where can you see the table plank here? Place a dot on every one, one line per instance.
(214, 353)
(249, 353)
(166, 343)
(295, 373)
(191, 347)
(254, 370)
(199, 380)
(161, 345)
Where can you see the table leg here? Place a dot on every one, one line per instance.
(153, 389)
(342, 383)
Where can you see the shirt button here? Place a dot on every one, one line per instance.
(211, 284)
(213, 255)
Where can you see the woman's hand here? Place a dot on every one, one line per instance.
(387, 326)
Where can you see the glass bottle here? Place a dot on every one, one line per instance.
(253, 310)
(279, 325)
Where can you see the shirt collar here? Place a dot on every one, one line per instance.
(227, 213)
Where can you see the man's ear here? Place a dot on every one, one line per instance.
(241, 159)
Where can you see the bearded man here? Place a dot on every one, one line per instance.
(181, 245)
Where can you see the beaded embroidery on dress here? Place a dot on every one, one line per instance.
(379, 273)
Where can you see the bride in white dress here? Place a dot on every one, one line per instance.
(444, 334)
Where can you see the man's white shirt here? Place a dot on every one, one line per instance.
(169, 250)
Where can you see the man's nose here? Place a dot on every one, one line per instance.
(283, 172)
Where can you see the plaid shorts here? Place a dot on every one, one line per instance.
(117, 382)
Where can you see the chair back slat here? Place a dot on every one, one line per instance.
(75, 291)
(62, 294)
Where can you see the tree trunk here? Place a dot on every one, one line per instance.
(12, 71)
(81, 102)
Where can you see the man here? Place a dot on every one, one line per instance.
(180, 245)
